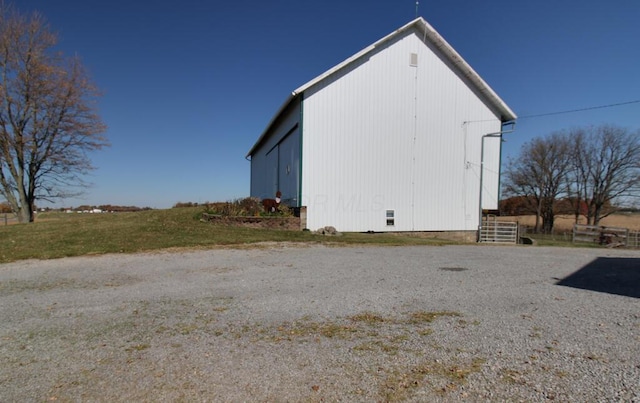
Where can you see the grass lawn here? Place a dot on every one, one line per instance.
(56, 235)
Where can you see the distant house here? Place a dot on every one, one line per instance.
(388, 140)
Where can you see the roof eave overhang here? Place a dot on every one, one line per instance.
(506, 114)
(264, 134)
(503, 111)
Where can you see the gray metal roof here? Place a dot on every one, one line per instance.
(431, 35)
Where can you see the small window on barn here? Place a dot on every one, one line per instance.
(413, 60)
(391, 218)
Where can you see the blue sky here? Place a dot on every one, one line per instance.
(188, 86)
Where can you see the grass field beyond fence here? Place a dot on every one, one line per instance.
(56, 235)
(563, 228)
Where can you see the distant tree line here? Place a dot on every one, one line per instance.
(186, 204)
(112, 208)
(5, 208)
(584, 171)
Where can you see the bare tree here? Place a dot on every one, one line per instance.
(518, 182)
(605, 168)
(578, 175)
(539, 174)
(48, 122)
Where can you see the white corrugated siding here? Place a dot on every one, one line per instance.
(383, 135)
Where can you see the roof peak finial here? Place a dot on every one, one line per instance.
(417, 4)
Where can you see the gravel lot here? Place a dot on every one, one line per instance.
(314, 323)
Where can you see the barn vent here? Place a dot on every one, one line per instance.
(413, 60)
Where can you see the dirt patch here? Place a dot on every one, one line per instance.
(564, 223)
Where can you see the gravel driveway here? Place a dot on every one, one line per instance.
(316, 323)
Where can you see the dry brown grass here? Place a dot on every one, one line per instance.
(565, 222)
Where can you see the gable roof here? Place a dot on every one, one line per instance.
(431, 35)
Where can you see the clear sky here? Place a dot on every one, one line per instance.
(190, 85)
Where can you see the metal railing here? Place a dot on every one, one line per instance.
(633, 239)
(493, 231)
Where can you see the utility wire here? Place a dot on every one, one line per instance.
(579, 110)
(539, 115)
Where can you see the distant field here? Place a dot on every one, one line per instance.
(565, 223)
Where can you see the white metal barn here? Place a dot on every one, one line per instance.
(391, 139)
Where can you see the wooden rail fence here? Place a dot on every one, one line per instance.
(610, 236)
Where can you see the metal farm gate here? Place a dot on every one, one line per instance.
(494, 231)
(633, 239)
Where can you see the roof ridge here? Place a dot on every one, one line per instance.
(429, 33)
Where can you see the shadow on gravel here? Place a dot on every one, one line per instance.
(620, 276)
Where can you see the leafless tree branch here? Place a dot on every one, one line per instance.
(48, 120)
